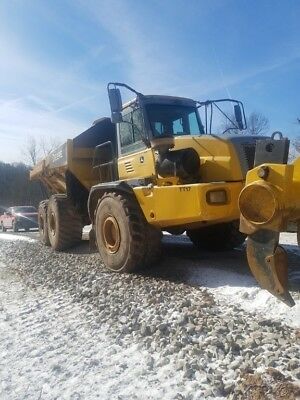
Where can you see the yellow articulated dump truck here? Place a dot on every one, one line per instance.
(154, 165)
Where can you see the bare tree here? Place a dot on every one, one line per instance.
(33, 151)
(257, 124)
(296, 142)
(227, 126)
(30, 150)
(47, 145)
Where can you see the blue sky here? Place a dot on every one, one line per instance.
(57, 56)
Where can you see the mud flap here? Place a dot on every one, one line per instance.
(268, 264)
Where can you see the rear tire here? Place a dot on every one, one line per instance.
(120, 230)
(220, 237)
(64, 223)
(42, 220)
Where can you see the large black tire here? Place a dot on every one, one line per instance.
(64, 223)
(220, 237)
(121, 232)
(43, 224)
(3, 229)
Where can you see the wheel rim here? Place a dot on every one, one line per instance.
(111, 234)
(52, 223)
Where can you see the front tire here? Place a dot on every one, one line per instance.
(3, 229)
(120, 230)
(220, 237)
(64, 223)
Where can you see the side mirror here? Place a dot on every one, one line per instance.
(115, 101)
(238, 116)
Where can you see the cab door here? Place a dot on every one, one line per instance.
(136, 160)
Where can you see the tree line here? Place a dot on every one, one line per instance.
(15, 187)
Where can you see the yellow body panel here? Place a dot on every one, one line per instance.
(218, 159)
(80, 163)
(140, 164)
(78, 160)
(187, 205)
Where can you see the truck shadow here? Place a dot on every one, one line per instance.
(181, 262)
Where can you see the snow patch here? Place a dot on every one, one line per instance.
(14, 238)
(244, 292)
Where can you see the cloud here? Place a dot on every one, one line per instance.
(42, 100)
(18, 120)
(148, 61)
(230, 81)
(21, 72)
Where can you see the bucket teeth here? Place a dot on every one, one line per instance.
(268, 263)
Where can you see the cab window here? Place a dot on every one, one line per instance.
(131, 131)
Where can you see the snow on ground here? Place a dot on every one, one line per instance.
(51, 349)
(71, 330)
(14, 237)
(231, 285)
(254, 299)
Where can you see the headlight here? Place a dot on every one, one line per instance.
(216, 197)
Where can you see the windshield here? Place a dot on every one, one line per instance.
(175, 120)
(24, 209)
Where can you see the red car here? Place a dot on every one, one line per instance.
(20, 217)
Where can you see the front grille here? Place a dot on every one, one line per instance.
(249, 151)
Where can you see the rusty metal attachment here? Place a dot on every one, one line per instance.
(268, 264)
(270, 204)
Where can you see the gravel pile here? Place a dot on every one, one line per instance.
(205, 349)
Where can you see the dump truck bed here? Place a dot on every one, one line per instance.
(75, 156)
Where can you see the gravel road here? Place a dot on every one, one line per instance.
(71, 330)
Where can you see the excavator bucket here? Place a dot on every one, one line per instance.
(268, 263)
(269, 203)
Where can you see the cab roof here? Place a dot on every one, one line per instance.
(162, 99)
